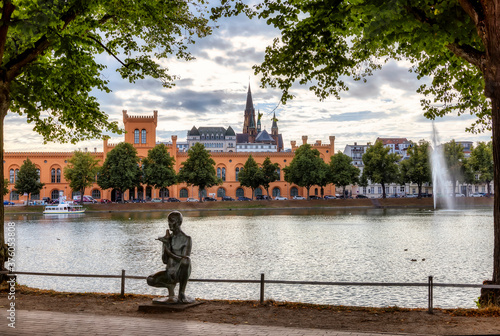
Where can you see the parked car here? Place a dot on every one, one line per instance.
(105, 200)
(156, 200)
(138, 200)
(227, 198)
(191, 199)
(280, 198)
(262, 197)
(459, 195)
(243, 198)
(172, 199)
(297, 197)
(314, 197)
(209, 199)
(327, 197)
(86, 199)
(361, 196)
(8, 203)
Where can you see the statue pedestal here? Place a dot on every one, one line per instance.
(162, 307)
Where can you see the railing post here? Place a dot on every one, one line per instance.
(430, 294)
(261, 288)
(123, 283)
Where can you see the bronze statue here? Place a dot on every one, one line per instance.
(175, 255)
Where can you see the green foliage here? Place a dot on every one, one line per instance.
(481, 162)
(269, 173)
(81, 171)
(380, 166)
(252, 176)
(343, 173)
(49, 48)
(417, 168)
(324, 42)
(28, 179)
(454, 159)
(120, 169)
(306, 169)
(158, 168)
(199, 169)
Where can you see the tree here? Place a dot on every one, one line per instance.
(81, 171)
(481, 162)
(5, 189)
(158, 168)
(457, 43)
(454, 158)
(306, 168)
(49, 68)
(269, 173)
(199, 169)
(417, 168)
(28, 179)
(120, 170)
(380, 166)
(343, 173)
(252, 176)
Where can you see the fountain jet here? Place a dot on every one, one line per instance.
(440, 176)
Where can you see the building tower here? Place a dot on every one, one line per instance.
(274, 127)
(249, 123)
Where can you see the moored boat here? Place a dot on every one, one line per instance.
(64, 208)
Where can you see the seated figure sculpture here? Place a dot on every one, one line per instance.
(175, 255)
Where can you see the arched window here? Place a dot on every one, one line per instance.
(276, 192)
(58, 175)
(53, 175)
(218, 172)
(14, 196)
(16, 173)
(279, 174)
(223, 174)
(183, 193)
(54, 194)
(240, 192)
(143, 136)
(294, 191)
(38, 172)
(258, 191)
(35, 197)
(237, 171)
(136, 136)
(221, 192)
(316, 191)
(11, 176)
(165, 193)
(96, 193)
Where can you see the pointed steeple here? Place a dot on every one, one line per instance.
(249, 118)
(274, 127)
(259, 115)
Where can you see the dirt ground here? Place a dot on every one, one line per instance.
(393, 320)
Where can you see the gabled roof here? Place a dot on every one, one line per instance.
(264, 137)
(193, 131)
(230, 131)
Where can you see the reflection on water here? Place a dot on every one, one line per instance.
(367, 245)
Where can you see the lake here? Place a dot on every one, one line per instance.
(366, 245)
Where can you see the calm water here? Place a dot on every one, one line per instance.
(361, 246)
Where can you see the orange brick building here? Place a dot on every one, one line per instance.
(141, 133)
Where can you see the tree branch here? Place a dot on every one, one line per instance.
(15, 65)
(474, 9)
(107, 50)
(470, 54)
(8, 9)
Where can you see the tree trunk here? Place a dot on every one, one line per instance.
(383, 190)
(419, 185)
(307, 188)
(4, 107)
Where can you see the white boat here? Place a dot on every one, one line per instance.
(64, 208)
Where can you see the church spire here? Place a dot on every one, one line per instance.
(274, 127)
(249, 118)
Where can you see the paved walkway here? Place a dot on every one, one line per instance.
(55, 323)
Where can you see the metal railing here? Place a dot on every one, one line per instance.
(429, 284)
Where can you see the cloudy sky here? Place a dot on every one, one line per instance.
(212, 92)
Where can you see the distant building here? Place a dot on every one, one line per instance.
(215, 139)
(397, 145)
